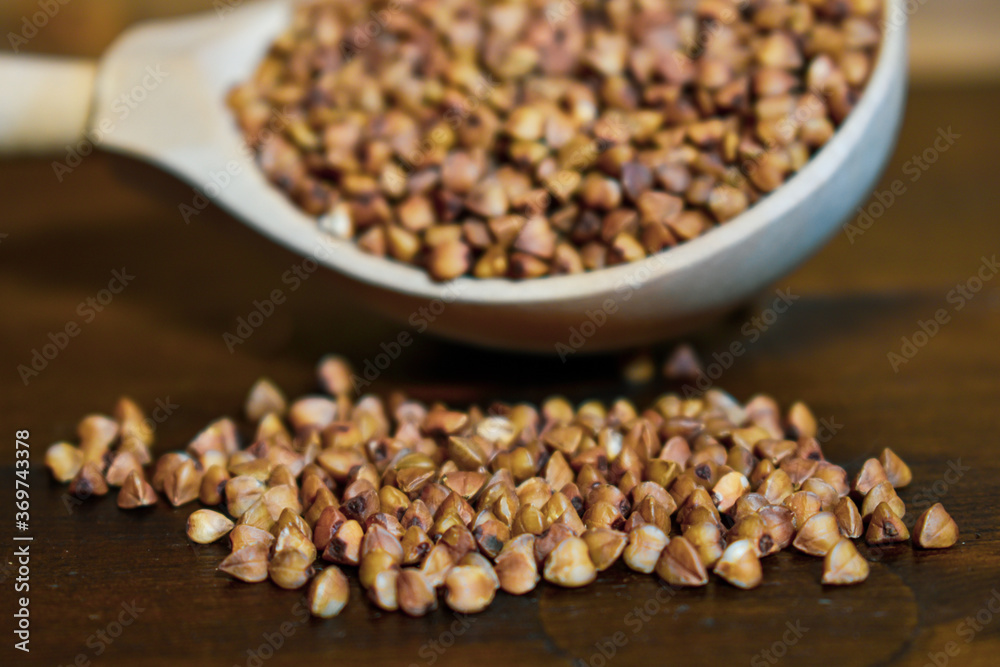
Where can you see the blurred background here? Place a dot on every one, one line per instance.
(194, 280)
(954, 41)
(161, 342)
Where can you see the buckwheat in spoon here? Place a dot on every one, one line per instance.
(525, 162)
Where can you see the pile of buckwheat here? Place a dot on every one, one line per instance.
(525, 138)
(421, 501)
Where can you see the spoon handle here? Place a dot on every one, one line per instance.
(44, 102)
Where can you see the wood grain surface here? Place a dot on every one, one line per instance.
(94, 567)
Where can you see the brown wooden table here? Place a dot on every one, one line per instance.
(116, 588)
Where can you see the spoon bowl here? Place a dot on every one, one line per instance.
(159, 94)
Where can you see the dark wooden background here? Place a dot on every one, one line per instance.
(161, 339)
